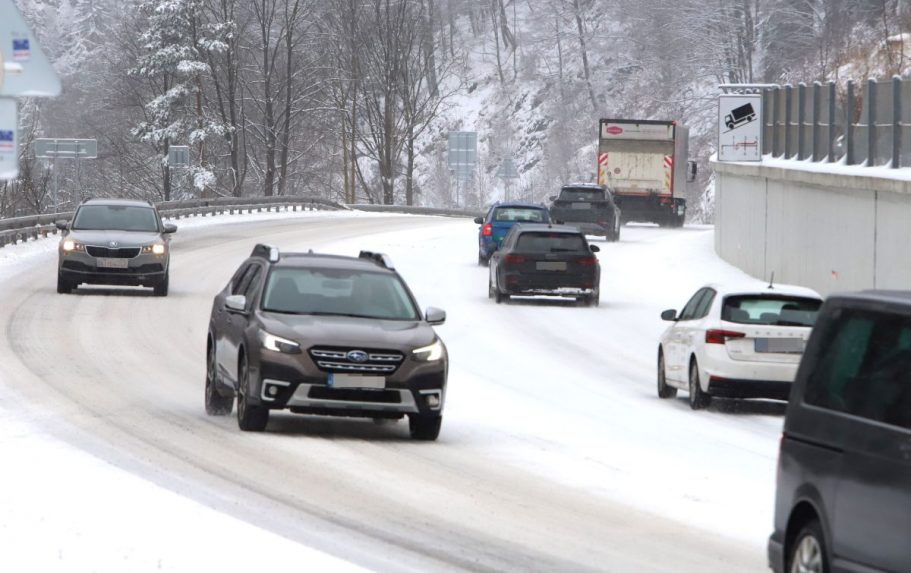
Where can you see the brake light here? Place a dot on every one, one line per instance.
(721, 336)
(514, 259)
(587, 261)
(487, 230)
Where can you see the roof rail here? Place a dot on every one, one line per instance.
(378, 259)
(268, 252)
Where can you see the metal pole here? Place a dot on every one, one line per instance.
(896, 122)
(56, 196)
(801, 119)
(849, 124)
(787, 121)
(871, 123)
(817, 87)
(830, 144)
(776, 104)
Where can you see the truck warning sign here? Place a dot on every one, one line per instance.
(740, 127)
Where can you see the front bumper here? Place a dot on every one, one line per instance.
(143, 269)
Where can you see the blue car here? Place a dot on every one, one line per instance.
(500, 219)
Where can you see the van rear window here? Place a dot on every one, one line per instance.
(550, 243)
(771, 310)
(519, 214)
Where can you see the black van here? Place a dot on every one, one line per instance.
(843, 500)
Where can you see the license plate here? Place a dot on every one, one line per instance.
(581, 205)
(779, 345)
(356, 381)
(551, 266)
(107, 263)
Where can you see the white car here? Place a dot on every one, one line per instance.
(735, 342)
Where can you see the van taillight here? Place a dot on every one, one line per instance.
(487, 230)
(721, 336)
(513, 259)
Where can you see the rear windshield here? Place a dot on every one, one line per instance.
(115, 218)
(338, 292)
(519, 214)
(550, 242)
(582, 195)
(771, 310)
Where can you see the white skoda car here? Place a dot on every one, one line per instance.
(735, 342)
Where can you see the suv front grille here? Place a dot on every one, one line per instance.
(337, 360)
(121, 253)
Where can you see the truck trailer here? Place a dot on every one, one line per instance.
(645, 164)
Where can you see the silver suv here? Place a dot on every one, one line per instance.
(114, 242)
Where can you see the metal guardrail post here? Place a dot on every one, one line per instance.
(830, 144)
(787, 120)
(776, 104)
(871, 123)
(817, 87)
(849, 124)
(896, 122)
(801, 120)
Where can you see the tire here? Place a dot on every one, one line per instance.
(64, 286)
(216, 404)
(426, 428)
(490, 290)
(482, 260)
(161, 289)
(699, 400)
(250, 417)
(500, 297)
(664, 391)
(808, 552)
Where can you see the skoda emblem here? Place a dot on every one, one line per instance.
(357, 356)
(113, 244)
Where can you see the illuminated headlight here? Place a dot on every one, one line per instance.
(430, 353)
(278, 344)
(70, 245)
(156, 249)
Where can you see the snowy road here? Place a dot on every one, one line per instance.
(555, 454)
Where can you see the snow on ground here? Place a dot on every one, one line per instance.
(564, 391)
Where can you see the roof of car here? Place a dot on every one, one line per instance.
(118, 202)
(542, 227)
(320, 260)
(762, 288)
(900, 297)
(520, 204)
(584, 186)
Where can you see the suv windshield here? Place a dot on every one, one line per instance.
(771, 310)
(523, 214)
(115, 218)
(550, 242)
(340, 292)
(582, 195)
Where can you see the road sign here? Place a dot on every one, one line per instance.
(507, 170)
(740, 127)
(24, 69)
(66, 148)
(463, 154)
(178, 156)
(9, 156)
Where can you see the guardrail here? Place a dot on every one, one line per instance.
(20, 229)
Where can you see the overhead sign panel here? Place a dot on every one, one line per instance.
(463, 153)
(9, 162)
(740, 127)
(24, 69)
(66, 148)
(179, 156)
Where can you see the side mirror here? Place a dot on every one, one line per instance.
(236, 302)
(170, 228)
(595, 248)
(435, 315)
(62, 225)
(479, 220)
(691, 172)
(669, 315)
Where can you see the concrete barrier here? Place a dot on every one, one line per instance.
(829, 227)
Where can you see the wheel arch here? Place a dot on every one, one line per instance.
(803, 513)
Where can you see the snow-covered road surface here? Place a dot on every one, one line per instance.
(555, 453)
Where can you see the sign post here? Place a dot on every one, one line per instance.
(55, 149)
(740, 127)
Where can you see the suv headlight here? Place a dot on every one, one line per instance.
(429, 353)
(71, 246)
(278, 344)
(155, 249)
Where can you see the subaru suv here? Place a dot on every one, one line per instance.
(324, 335)
(500, 219)
(114, 242)
(843, 500)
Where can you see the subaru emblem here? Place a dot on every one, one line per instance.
(357, 356)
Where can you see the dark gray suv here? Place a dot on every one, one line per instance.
(326, 335)
(843, 500)
(114, 242)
